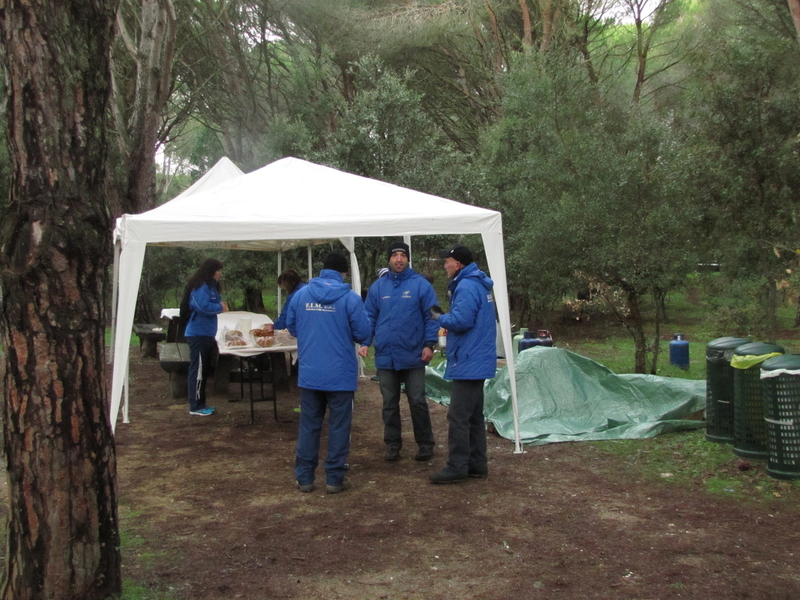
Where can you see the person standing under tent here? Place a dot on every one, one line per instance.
(327, 317)
(471, 359)
(404, 335)
(203, 300)
(289, 281)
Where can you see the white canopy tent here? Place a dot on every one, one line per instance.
(291, 202)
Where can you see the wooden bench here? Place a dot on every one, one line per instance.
(149, 336)
(174, 359)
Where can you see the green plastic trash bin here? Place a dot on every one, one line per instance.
(719, 388)
(749, 428)
(780, 381)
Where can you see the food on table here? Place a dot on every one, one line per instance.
(262, 332)
(265, 341)
(284, 338)
(234, 337)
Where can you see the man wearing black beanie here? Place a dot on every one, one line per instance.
(327, 317)
(335, 262)
(471, 359)
(405, 334)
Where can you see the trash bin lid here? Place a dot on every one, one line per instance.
(727, 343)
(787, 362)
(758, 349)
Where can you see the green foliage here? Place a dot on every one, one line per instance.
(383, 133)
(733, 307)
(588, 187)
(742, 124)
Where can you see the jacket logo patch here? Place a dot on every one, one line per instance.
(317, 307)
(406, 294)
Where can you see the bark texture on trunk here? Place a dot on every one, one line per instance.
(55, 249)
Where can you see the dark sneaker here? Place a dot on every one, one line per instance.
(447, 476)
(478, 474)
(392, 454)
(335, 489)
(424, 454)
(305, 488)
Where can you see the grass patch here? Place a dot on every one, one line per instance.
(134, 591)
(134, 549)
(688, 460)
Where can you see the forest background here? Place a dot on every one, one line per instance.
(626, 142)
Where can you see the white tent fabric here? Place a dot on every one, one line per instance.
(291, 202)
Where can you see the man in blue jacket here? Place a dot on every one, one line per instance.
(471, 359)
(405, 334)
(328, 318)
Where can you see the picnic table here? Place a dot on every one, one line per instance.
(251, 364)
(256, 364)
(149, 336)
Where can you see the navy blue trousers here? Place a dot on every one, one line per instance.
(313, 405)
(201, 354)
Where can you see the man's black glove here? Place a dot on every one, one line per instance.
(436, 312)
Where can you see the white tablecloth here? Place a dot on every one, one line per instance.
(170, 313)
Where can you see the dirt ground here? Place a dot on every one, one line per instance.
(215, 515)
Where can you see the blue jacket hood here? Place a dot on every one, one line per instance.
(471, 271)
(328, 287)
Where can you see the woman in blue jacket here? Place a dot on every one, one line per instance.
(289, 281)
(205, 301)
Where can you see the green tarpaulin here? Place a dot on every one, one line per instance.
(565, 397)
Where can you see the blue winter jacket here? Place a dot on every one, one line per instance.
(470, 324)
(281, 322)
(399, 304)
(327, 317)
(206, 303)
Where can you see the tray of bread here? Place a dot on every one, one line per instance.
(234, 338)
(254, 339)
(263, 337)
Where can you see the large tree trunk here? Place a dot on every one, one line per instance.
(254, 300)
(138, 112)
(63, 540)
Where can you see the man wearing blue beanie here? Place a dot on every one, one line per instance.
(404, 335)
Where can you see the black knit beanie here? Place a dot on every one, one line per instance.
(398, 247)
(336, 262)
